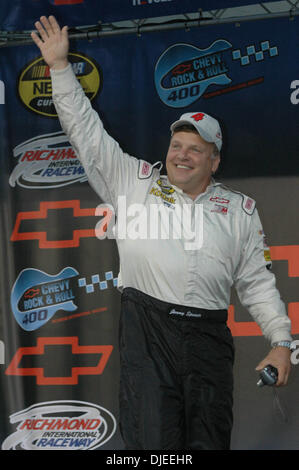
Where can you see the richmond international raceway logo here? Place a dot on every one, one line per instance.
(36, 296)
(46, 161)
(184, 72)
(61, 425)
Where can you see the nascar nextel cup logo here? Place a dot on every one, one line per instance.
(61, 425)
(35, 86)
(184, 72)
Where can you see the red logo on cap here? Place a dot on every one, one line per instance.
(198, 117)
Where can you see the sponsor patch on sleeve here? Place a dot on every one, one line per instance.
(267, 254)
(145, 169)
(248, 205)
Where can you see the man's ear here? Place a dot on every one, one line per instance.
(215, 164)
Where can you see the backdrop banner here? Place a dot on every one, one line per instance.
(21, 14)
(59, 363)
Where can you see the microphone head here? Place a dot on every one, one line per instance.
(260, 383)
(268, 376)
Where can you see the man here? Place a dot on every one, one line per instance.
(175, 348)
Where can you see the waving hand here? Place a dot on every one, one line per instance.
(53, 42)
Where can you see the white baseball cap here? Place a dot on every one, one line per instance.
(207, 126)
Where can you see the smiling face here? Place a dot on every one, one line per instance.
(190, 162)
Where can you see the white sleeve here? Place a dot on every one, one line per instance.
(110, 171)
(256, 284)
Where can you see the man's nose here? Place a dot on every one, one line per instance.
(183, 154)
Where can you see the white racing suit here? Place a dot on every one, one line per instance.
(189, 266)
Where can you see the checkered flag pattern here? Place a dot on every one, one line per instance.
(252, 52)
(95, 281)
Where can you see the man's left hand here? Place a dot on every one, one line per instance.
(280, 358)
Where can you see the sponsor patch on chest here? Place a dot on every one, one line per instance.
(219, 200)
(219, 209)
(164, 192)
(220, 204)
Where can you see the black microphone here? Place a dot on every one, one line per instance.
(268, 376)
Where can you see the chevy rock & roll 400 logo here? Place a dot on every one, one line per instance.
(61, 425)
(36, 296)
(184, 72)
(35, 86)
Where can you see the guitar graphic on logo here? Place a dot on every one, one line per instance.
(36, 296)
(184, 72)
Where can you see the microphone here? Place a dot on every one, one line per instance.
(268, 376)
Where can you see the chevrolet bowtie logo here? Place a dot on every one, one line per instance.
(41, 217)
(96, 354)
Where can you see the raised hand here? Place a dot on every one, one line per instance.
(53, 42)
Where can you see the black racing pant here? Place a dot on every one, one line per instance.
(176, 381)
